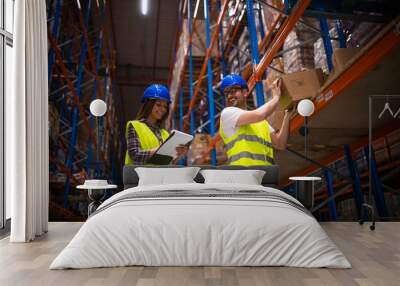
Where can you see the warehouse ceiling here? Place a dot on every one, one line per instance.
(144, 46)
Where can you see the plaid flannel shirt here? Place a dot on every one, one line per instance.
(139, 156)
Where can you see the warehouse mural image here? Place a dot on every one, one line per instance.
(115, 99)
(199, 142)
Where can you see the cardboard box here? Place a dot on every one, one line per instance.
(201, 139)
(342, 56)
(300, 52)
(276, 119)
(198, 39)
(319, 51)
(300, 85)
(198, 149)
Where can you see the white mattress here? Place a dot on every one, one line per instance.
(183, 231)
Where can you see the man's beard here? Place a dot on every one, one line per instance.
(237, 103)
(233, 102)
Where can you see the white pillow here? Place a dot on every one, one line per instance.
(248, 177)
(166, 176)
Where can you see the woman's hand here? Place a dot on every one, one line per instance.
(181, 150)
(152, 151)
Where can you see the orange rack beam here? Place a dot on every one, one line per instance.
(277, 42)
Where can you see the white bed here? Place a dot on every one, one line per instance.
(138, 227)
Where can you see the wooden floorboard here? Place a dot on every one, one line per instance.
(374, 255)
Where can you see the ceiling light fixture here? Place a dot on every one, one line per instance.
(144, 7)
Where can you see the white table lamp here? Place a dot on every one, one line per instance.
(305, 108)
(98, 108)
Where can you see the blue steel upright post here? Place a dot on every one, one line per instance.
(221, 49)
(221, 44)
(341, 35)
(211, 103)
(75, 114)
(183, 160)
(254, 49)
(323, 23)
(181, 108)
(329, 187)
(260, 20)
(376, 183)
(356, 181)
(192, 126)
(55, 31)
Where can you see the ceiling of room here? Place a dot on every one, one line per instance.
(144, 47)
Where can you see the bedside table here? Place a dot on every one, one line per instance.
(96, 192)
(305, 190)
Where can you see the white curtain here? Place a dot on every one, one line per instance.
(27, 124)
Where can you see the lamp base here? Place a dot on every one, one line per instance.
(303, 129)
(305, 192)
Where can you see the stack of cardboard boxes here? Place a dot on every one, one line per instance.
(240, 56)
(319, 51)
(300, 54)
(197, 154)
(233, 62)
(306, 84)
(198, 149)
(244, 44)
(198, 50)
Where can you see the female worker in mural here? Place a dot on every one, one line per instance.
(145, 134)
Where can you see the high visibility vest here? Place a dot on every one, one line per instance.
(250, 145)
(148, 140)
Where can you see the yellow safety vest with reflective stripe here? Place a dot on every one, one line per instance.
(250, 145)
(148, 140)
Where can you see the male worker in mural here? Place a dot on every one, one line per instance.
(249, 139)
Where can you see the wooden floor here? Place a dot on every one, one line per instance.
(375, 257)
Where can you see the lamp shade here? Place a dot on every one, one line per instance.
(98, 107)
(305, 107)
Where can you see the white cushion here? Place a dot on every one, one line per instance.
(248, 177)
(166, 176)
